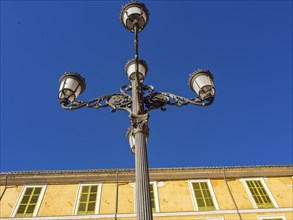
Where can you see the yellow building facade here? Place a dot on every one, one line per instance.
(218, 193)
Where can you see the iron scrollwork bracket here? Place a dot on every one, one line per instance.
(120, 101)
(123, 100)
(154, 100)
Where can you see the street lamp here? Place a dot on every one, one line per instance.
(138, 100)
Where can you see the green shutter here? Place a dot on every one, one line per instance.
(259, 194)
(28, 202)
(272, 219)
(152, 197)
(203, 196)
(87, 200)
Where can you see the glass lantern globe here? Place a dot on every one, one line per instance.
(132, 12)
(131, 139)
(142, 69)
(71, 86)
(201, 82)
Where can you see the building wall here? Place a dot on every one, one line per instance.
(125, 198)
(108, 198)
(222, 195)
(282, 190)
(240, 195)
(58, 200)
(9, 199)
(174, 197)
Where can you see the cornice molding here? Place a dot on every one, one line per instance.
(127, 175)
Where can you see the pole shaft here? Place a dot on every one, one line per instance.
(142, 187)
(143, 201)
(139, 122)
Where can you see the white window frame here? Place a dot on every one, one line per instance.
(267, 217)
(193, 195)
(265, 187)
(38, 202)
(156, 196)
(98, 200)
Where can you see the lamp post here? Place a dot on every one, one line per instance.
(138, 100)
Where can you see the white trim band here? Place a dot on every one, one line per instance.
(162, 214)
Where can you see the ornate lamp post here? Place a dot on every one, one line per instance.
(137, 99)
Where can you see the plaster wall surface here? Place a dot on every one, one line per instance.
(222, 195)
(9, 200)
(58, 200)
(174, 196)
(282, 190)
(125, 198)
(107, 204)
(240, 195)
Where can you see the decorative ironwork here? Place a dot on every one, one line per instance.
(120, 101)
(155, 100)
(139, 123)
(123, 101)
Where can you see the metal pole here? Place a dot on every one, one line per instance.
(135, 21)
(139, 123)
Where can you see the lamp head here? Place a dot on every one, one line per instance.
(201, 82)
(134, 13)
(71, 86)
(142, 69)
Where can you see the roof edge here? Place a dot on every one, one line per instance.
(132, 169)
(156, 174)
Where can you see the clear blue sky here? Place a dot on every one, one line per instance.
(247, 45)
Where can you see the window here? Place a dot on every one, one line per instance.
(29, 201)
(218, 218)
(272, 219)
(88, 199)
(276, 217)
(154, 197)
(259, 193)
(153, 200)
(203, 195)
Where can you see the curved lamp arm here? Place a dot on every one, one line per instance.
(72, 84)
(154, 100)
(120, 101)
